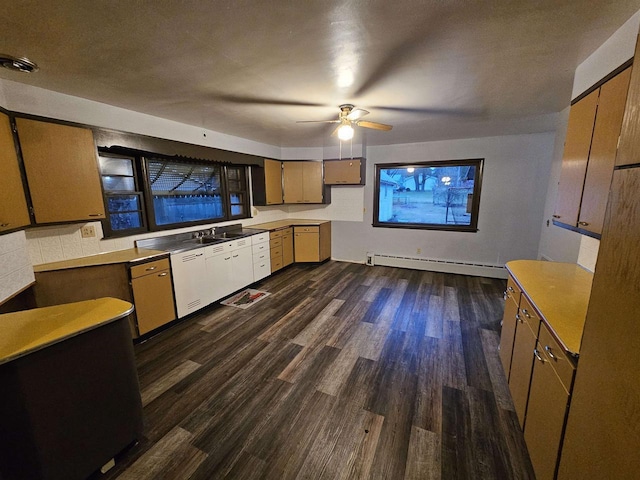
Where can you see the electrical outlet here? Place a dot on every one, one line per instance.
(88, 231)
(418, 251)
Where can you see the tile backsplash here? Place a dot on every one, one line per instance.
(588, 253)
(52, 244)
(16, 272)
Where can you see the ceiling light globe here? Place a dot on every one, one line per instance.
(345, 132)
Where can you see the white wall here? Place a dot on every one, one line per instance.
(556, 243)
(16, 272)
(516, 170)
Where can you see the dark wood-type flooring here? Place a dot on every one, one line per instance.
(344, 372)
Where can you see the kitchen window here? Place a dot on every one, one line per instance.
(437, 195)
(123, 198)
(184, 193)
(237, 191)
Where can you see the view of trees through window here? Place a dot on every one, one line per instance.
(442, 195)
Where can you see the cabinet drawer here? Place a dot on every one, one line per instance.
(261, 247)
(275, 234)
(306, 229)
(276, 253)
(276, 264)
(561, 364)
(287, 231)
(261, 257)
(151, 267)
(260, 238)
(261, 270)
(513, 291)
(529, 316)
(276, 242)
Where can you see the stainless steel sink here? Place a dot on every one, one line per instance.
(229, 235)
(203, 240)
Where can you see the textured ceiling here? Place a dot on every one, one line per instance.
(433, 69)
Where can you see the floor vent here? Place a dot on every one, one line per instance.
(446, 266)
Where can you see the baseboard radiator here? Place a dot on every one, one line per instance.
(446, 266)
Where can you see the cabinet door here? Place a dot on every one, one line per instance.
(522, 357)
(604, 145)
(153, 299)
(242, 267)
(13, 204)
(342, 172)
(574, 160)
(188, 270)
(508, 334)
(219, 274)
(62, 171)
(292, 182)
(273, 182)
(287, 247)
(312, 182)
(603, 432)
(548, 400)
(307, 246)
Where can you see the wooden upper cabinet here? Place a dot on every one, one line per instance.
(629, 149)
(303, 182)
(292, 180)
(62, 171)
(575, 158)
(13, 205)
(344, 172)
(613, 96)
(266, 183)
(273, 182)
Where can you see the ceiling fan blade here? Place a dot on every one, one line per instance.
(249, 100)
(357, 114)
(318, 121)
(433, 111)
(374, 125)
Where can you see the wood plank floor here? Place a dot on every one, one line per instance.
(344, 372)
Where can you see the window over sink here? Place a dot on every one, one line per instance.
(150, 193)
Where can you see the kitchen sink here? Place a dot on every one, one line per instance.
(203, 240)
(229, 235)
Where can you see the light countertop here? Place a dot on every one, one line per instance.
(130, 255)
(289, 222)
(31, 330)
(560, 292)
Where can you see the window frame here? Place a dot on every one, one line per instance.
(244, 180)
(478, 163)
(139, 192)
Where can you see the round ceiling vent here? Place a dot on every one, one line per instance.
(18, 64)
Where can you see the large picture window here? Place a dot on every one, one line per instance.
(438, 195)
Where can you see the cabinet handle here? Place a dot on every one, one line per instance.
(584, 224)
(555, 216)
(4, 225)
(150, 269)
(511, 289)
(526, 313)
(547, 349)
(199, 254)
(536, 353)
(96, 215)
(505, 295)
(519, 318)
(163, 274)
(236, 256)
(227, 258)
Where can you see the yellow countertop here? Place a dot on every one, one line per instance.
(130, 255)
(560, 292)
(290, 222)
(31, 330)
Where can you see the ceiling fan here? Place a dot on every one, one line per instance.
(349, 117)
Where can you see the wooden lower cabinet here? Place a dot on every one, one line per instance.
(546, 412)
(521, 367)
(312, 243)
(287, 247)
(508, 334)
(153, 295)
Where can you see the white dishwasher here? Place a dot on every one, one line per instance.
(189, 273)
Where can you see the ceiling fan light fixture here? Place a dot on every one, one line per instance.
(345, 132)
